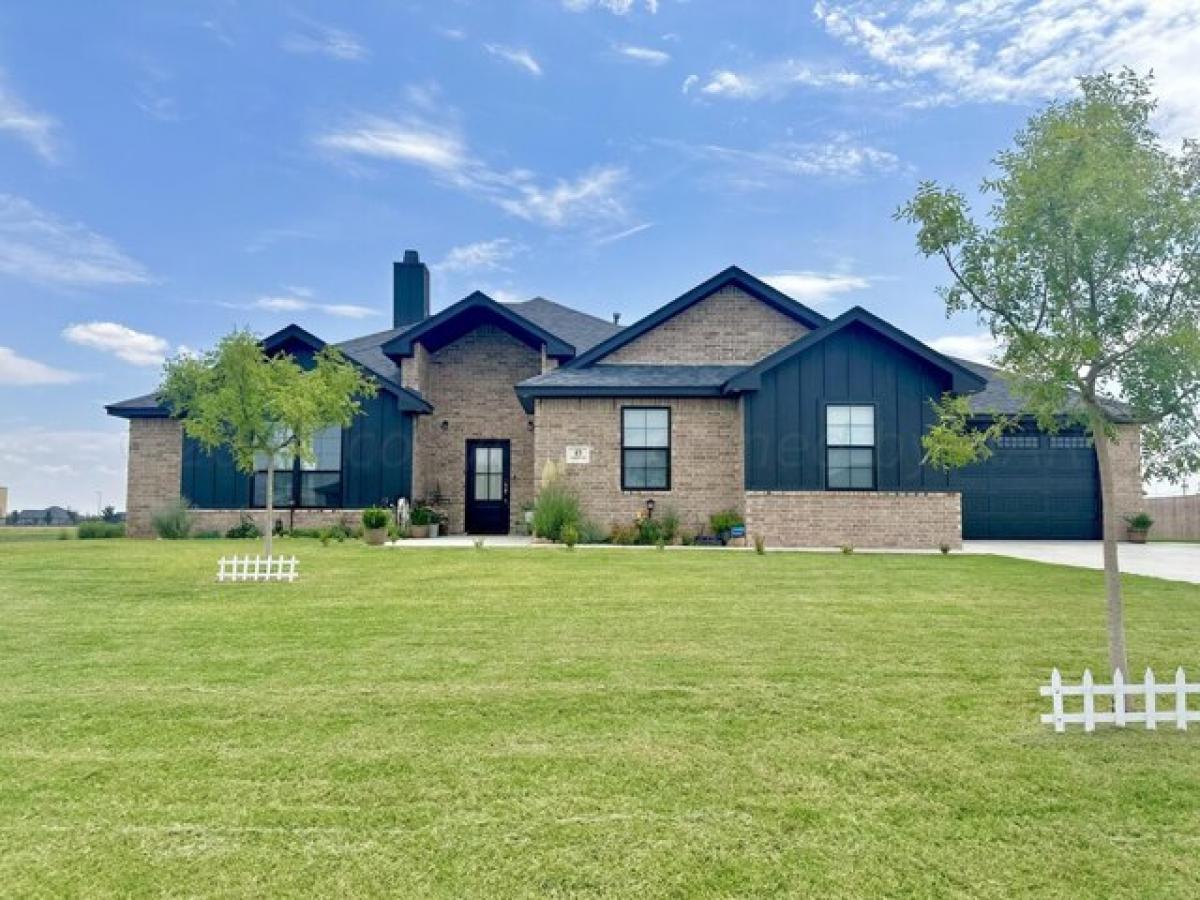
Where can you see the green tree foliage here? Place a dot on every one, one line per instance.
(260, 406)
(1087, 272)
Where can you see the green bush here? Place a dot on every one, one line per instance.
(623, 535)
(208, 534)
(174, 522)
(570, 536)
(245, 528)
(724, 521)
(591, 533)
(420, 516)
(98, 530)
(1139, 522)
(760, 544)
(649, 531)
(556, 508)
(375, 517)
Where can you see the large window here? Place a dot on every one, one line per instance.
(645, 448)
(297, 483)
(850, 448)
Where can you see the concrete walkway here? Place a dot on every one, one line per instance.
(1175, 562)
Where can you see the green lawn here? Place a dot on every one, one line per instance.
(506, 723)
(13, 534)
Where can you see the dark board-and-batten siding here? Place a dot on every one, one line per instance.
(376, 463)
(785, 418)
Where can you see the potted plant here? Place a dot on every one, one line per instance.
(437, 520)
(728, 525)
(419, 520)
(1139, 527)
(375, 522)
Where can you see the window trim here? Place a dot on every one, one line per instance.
(295, 474)
(669, 448)
(874, 448)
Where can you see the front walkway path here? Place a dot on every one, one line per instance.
(1175, 562)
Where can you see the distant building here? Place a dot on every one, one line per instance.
(54, 516)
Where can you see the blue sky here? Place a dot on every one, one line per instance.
(170, 171)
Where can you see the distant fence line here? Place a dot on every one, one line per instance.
(1175, 518)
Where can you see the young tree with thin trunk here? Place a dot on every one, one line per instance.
(1087, 273)
(262, 406)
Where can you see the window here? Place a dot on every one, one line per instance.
(1070, 442)
(850, 448)
(489, 473)
(1018, 442)
(645, 449)
(306, 484)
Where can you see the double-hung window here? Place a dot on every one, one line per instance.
(645, 448)
(850, 447)
(316, 484)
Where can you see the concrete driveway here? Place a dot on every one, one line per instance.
(1175, 562)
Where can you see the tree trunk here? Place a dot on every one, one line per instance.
(1117, 659)
(269, 531)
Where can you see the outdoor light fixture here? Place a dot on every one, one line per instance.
(445, 425)
(650, 508)
(531, 425)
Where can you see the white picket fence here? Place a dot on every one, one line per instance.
(1175, 710)
(257, 568)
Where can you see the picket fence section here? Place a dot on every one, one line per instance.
(257, 568)
(1174, 710)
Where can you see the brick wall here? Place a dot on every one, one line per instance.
(223, 519)
(1126, 456)
(726, 327)
(863, 519)
(155, 471)
(706, 455)
(470, 383)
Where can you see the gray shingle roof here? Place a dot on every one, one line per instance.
(579, 329)
(665, 377)
(998, 396)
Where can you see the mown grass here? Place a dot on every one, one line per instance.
(504, 723)
(21, 534)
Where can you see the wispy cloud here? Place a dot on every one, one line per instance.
(981, 347)
(39, 247)
(776, 79)
(20, 371)
(816, 287)
(619, 7)
(134, 347)
(301, 301)
(520, 58)
(841, 156)
(37, 129)
(621, 235)
(480, 256)
(591, 196)
(314, 38)
(84, 461)
(1021, 52)
(646, 55)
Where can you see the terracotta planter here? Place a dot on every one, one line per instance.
(419, 531)
(375, 536)
(1138, 535)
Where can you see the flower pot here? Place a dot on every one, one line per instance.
(433, 529)
(1138, 535)
(375, 536)
(420, 531)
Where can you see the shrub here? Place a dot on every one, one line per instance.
(375, 517)
(668, 523)
(570, 536)
(724, 521)
(556, 507)
(649, 531)
(245, 528)
(478, 542)
(945, 548)
(760, 544)
(847, 549)
(174, 522)
(623, 535)
(208, 534)
(591, 533)
(99, 530)
(1139, 521)
(420, 516)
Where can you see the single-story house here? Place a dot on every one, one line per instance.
(731, 396)
(55, 516)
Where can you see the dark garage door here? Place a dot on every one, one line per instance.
(1036, 486)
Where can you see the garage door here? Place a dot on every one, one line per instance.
(1036, 486)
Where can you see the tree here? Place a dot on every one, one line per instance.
(260, 406)
(1088, 275)
(109, 514)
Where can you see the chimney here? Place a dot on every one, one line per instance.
(410, 291)
(616, 318)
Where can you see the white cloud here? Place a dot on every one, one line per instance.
(34, 128)
(482, 255)
(775, 79)
(522, 59)
(644, 54)
(839, 157)
(505, 295)
(592, 196)
(981, 347)
(1025, 51)
(816, 287)
(619, 7)
(134, 347)
(324, 40)
(84, 461)
(452, 34)
(301, 302)
(20, 371)
(690, 82)
(36, 246)
(621, 235)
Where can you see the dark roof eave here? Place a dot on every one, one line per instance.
(137, 412)
(530, 393)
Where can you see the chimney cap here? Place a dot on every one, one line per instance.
(411, 256)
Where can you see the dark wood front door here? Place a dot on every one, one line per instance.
(487, 487)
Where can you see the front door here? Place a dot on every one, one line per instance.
(487, 487)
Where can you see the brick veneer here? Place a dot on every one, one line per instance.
(155, 471)
(470, 384)
(1126, 454)
(223, 519)
(706, 455)
(855, 518)
(726, 327)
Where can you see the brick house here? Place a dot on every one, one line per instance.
(731, 396)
